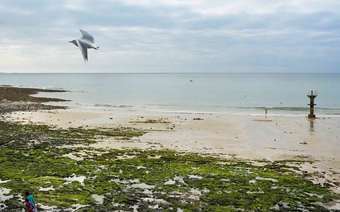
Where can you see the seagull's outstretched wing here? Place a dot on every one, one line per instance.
(83, 50)
(87, 36)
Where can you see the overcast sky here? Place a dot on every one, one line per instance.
(171, 35)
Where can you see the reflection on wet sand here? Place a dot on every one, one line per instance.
(311, 125)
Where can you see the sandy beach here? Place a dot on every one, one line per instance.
(133, 158)
(253, 137)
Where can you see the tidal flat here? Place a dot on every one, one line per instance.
(21, 99)
(66, 172)
(87, 179)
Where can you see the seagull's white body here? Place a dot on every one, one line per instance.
(84, 43)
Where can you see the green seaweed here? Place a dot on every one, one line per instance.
(23, 135)
(221, 186)
(150, 179)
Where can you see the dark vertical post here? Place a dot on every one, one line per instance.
(311, 104)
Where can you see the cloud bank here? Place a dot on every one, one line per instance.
(171, 35)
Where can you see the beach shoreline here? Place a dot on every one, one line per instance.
(308, 147)
(251, 137)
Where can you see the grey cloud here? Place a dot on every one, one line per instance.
(166, 37)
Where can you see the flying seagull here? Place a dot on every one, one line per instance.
(84, 43)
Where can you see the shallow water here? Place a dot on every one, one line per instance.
(282, 93)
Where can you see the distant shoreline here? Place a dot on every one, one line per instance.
(166, 73)
(201, 92)
(21, 99)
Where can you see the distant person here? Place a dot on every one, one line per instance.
(30, 204)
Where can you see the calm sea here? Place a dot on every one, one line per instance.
(282, 93)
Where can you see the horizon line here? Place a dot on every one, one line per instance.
(169, 72)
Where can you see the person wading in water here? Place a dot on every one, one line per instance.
(30, 204)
